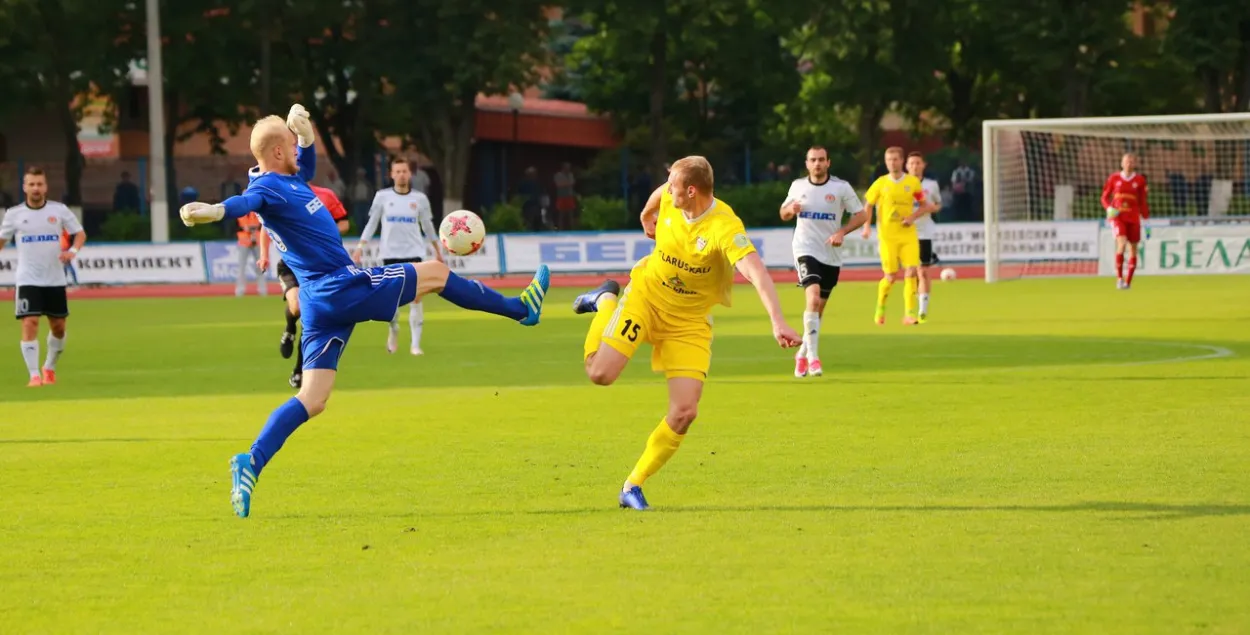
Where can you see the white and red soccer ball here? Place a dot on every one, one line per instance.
(462, 232)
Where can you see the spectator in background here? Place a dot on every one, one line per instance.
(126, 195)
(566, 197)
(249, 253)
(230, 186)
(531, 199)
(420, 180)
(961, 185)
(335, 184)
(188, 194)
(783, 173)
(769, 173)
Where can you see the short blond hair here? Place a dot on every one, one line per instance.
(694, 172)
(894, 150)
(267, 131)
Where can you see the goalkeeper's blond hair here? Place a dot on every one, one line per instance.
(267, 132)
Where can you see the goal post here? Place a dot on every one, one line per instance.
(1042, 183)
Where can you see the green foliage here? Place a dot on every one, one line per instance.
(506, 217)
(758, 205)
(125, 226)
(207, 232)
(602, 214)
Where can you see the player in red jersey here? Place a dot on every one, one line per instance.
(1124, 196)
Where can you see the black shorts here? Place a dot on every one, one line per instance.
(398, 261)
(927, 257)
(36, 301)
(286, 277)
(812, 271)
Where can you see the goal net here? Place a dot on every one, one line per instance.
(1043, 179)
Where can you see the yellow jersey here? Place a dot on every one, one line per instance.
(692, 267)
(895, 201)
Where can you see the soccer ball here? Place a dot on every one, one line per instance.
(462, 232)
(948, 274)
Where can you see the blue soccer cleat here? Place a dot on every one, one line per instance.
(532, 296)
(589, 302)
(242, 480)
(632, 498)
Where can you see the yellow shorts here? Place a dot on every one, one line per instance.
(903, 249)
(681, 346)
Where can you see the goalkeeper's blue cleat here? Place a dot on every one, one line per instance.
(589, 302)
(532, 296)
(632, 498)
(242, 480)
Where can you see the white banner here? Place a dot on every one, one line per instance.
(483, 263)
(954, 242)
(123, 263)
(1019, 241)
(1185, 250)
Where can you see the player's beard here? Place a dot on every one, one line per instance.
(35, 200)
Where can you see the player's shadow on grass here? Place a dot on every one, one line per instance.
(1120, 509)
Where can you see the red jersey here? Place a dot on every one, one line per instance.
(330, 200)
(1127, 195)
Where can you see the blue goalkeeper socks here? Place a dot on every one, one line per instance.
(282, 423)
(475, 296)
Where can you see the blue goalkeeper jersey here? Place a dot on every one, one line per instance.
(302, 228)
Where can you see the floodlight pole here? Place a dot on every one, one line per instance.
(156, 126)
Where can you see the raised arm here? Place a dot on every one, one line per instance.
(651, 211)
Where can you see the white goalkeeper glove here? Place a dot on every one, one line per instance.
(200, 213)
(297, 121)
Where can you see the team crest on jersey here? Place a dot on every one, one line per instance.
(906, 188)
(676, 283)
(412, 206)
(700, 243)
(741, 241)
(828, 198)
(51, 220)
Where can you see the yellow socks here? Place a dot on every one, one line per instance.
(607, 306)
(883, 291)
(910, 301)
(661, 446)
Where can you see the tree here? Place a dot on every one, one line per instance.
(707, 71)
(1213, 38)
(859, 60)
(66, 49)
(209, 77)
(465, 48)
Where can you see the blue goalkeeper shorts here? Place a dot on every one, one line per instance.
(332, 306)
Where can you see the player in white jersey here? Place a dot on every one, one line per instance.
(408, 235)
(36, 227)
(820, 202)
(926, 230)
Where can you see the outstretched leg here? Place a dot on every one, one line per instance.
(435, 277)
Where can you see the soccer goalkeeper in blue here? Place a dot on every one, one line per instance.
(335, 295)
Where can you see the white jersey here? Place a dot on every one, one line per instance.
(407, 224)
(926, 228)
(823, 206)
(38, 235)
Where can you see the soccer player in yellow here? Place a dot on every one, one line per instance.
(898, 200)
(699, 242)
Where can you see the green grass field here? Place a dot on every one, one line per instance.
(1046, 456)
